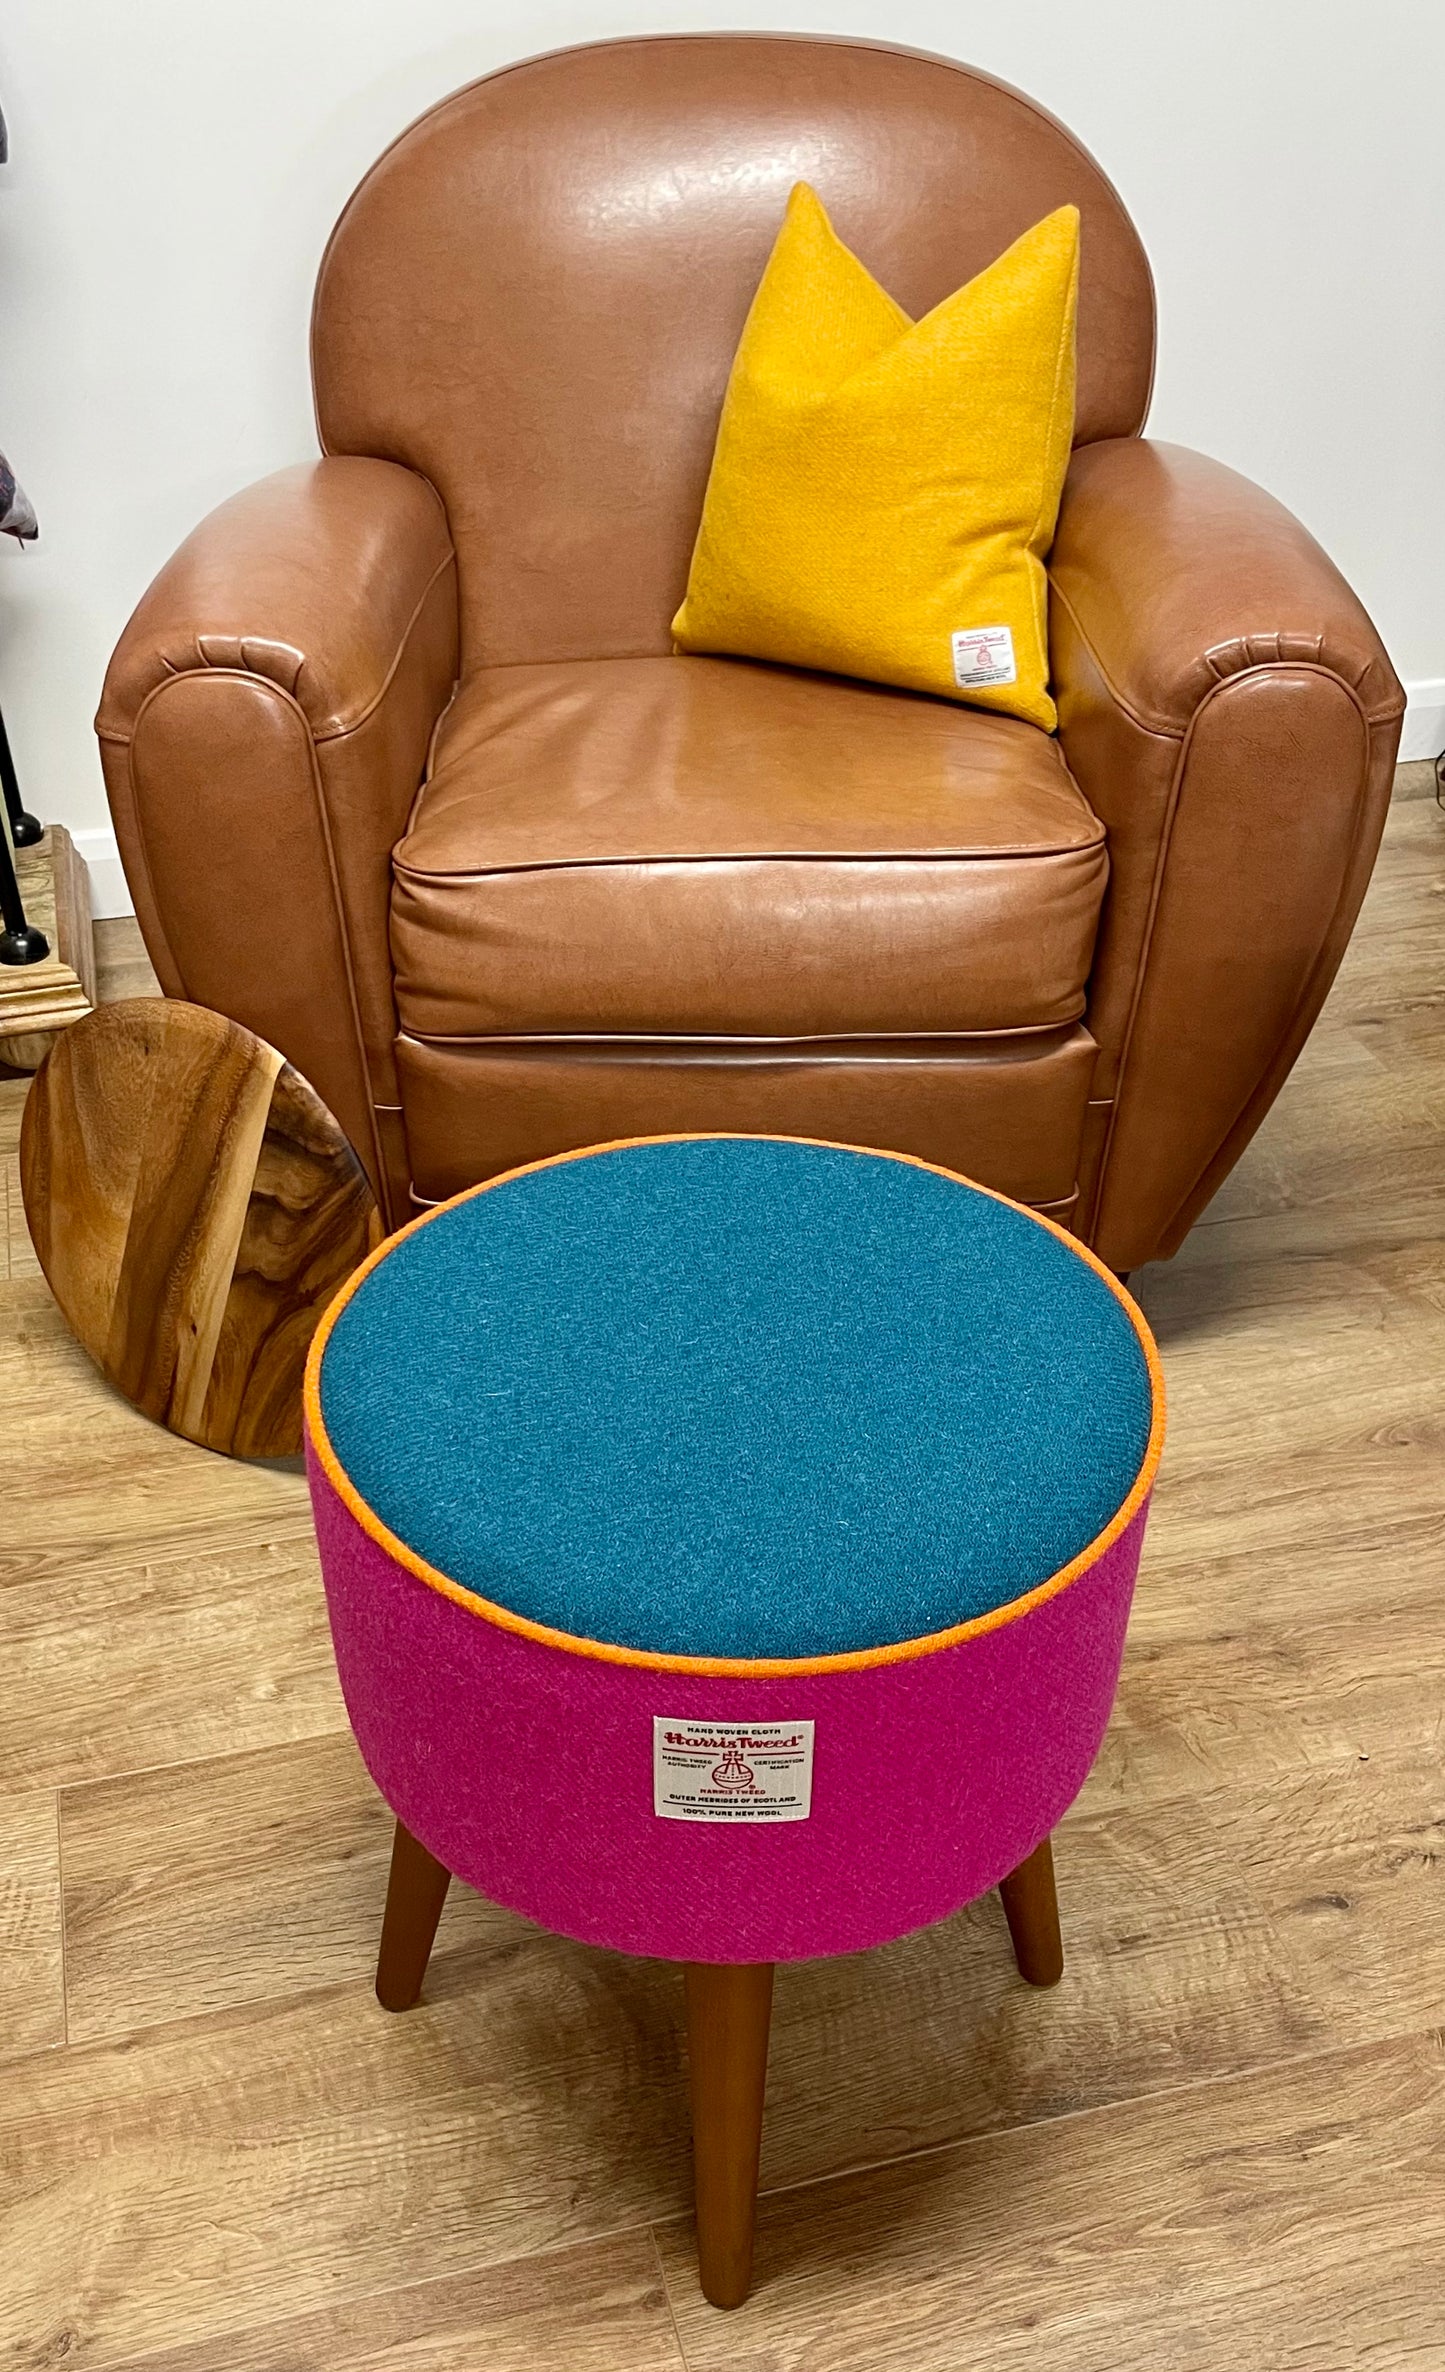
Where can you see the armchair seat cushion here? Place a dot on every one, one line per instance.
(715, 848)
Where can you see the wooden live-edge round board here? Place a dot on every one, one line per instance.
(194, 1207)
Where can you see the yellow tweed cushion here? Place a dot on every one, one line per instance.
(883, 491)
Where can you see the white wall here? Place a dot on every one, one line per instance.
(176, 166)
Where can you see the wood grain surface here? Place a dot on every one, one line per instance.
(194, 1207)
(1216, 2146)
(37, 1000)
(729, 2013)
(32, 1977)
(1294, 2218)
(599, 2307)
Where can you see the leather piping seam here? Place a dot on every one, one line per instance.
(781, 856)
(891, 49)
(253, 675)
(318, 792)
(140, 840)
(1371, 727)
(1176, 790)
(734, 1667)
(850, 1044)
(1049, 1206)
(431, 749)
(1176, 728)
(341, 730)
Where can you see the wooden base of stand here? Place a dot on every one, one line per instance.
(37, 1001)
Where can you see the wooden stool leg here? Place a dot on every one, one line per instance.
(1031, 1908)
(415, 1893)
(728, 2013)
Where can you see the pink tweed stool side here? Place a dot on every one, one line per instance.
(728, 1545)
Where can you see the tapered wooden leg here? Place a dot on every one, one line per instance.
(728, 2014)
(415, 1893)
(1031, 1908)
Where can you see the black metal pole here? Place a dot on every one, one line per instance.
(20, 942)
(25, 829)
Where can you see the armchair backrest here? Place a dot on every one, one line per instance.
(534, 296)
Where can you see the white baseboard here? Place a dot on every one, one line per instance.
(1424, 734)
(1423, 737)
(109, 890)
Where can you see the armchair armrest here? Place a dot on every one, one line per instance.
(1232, 717)
(264, 726)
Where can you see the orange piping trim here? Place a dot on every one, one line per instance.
(715, 1666)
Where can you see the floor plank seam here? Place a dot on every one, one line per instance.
(668, 2299)
(60, 1918)
(991, 2136)
(349, 2301)
(187, 1762)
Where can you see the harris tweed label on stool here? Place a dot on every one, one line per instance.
(757, 1770)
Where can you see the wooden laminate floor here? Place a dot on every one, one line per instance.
(1220, 2143)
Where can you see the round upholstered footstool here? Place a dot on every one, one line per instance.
(728, 1544)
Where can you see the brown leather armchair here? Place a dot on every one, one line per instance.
(406, 777)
